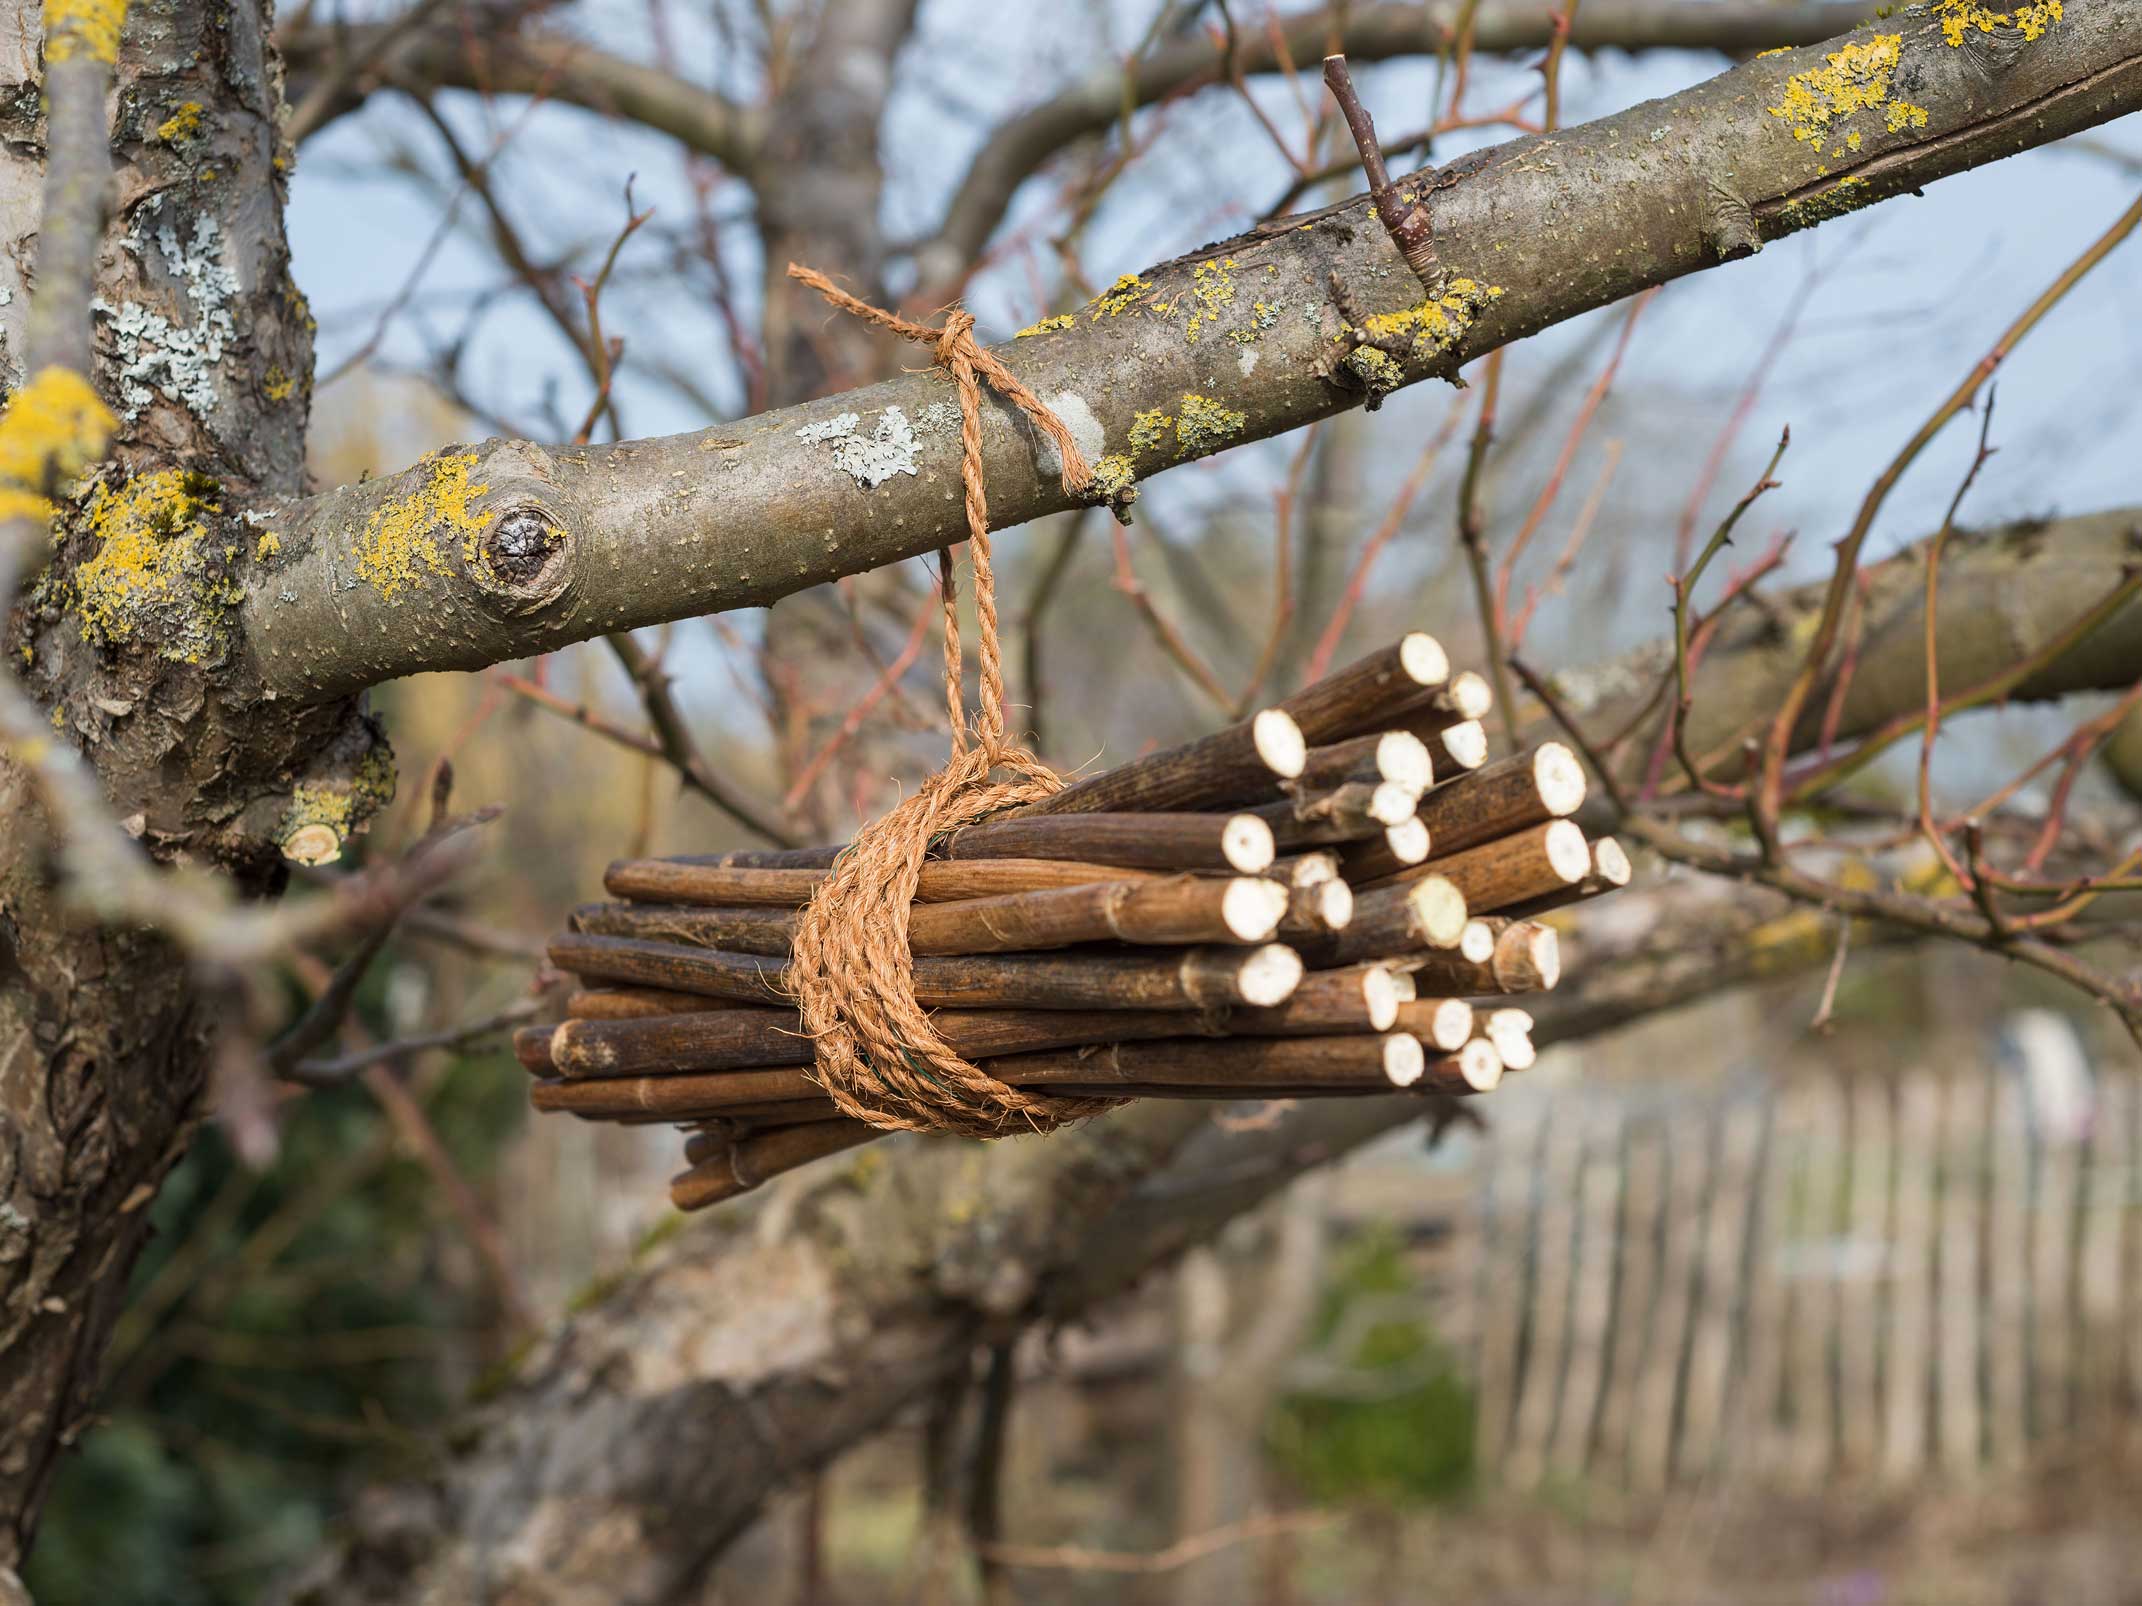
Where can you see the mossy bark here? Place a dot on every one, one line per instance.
(105, 1034)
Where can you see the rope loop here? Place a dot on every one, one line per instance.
(851, 971)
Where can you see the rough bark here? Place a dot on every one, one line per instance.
(104, 1032)
(1545, 228)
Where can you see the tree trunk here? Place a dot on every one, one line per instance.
(204, 348)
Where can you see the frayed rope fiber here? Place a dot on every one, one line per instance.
(851, 972)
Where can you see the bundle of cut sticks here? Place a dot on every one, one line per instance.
(1305, 904)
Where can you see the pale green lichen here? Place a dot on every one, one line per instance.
(1375, 369)
(1114, 476)
(1206, 425)
(403, 534)
(1848, 194)
(154, 574)
(1150, 429)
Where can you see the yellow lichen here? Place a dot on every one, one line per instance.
(1206, 425)
(1212, 287)
(1118, 296)
(1902, 115)
(267, 547)
(324, 814)
(151, 575)
(1436, 324)
(1047, 325)
(1114, 475)
(54, 427)
(277, 385)
(1375, 369)
(1850, 80)
(1149, 429)
(83, 28)
(1960, 17)
(183, 124)
(402, 534)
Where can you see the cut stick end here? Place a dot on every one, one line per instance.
(1528, 957)
(1247, 844)
(1252, 908)
(1334, 905)
(1279, 742)
(1568, 854)
(1480, 1064)
(1379, 992)
(1269, 976)
(1393, 803)
(1403, 759)
(1422, 658)
(1314, 869)
(1437, 910)
(1559, 777)
(1450, 1024)
(1610, 862)
(1470, 696)
(1466, 744)
(1403, 1059)
(1510, 1030)
(1476, 944)
(1407, 840)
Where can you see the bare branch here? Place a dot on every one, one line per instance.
(662, 529)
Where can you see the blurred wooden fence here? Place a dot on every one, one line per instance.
(1850, 1276)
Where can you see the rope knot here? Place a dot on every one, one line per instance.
(851, 971)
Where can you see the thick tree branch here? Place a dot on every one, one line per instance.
(458, 51)
(1016, 150)
(425, 571)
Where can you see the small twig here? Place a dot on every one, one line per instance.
(682, 752)
(1327, 644)
(1403, 215)
(1821, 1022)
(1283, 504)
(1931, 731)
(602, 355)
(1683, 587)
(864, 706)
(1046, 586)
(323, 1073)
(1472, 538)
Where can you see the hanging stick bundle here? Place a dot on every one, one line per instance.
(1299, 905)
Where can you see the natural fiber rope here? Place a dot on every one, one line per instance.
(851, 972)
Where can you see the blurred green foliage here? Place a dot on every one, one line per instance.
(290, 1333)
(1401, 1433)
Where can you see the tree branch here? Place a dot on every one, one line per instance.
(1017, 149)
(505, 549)
(459, 52)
